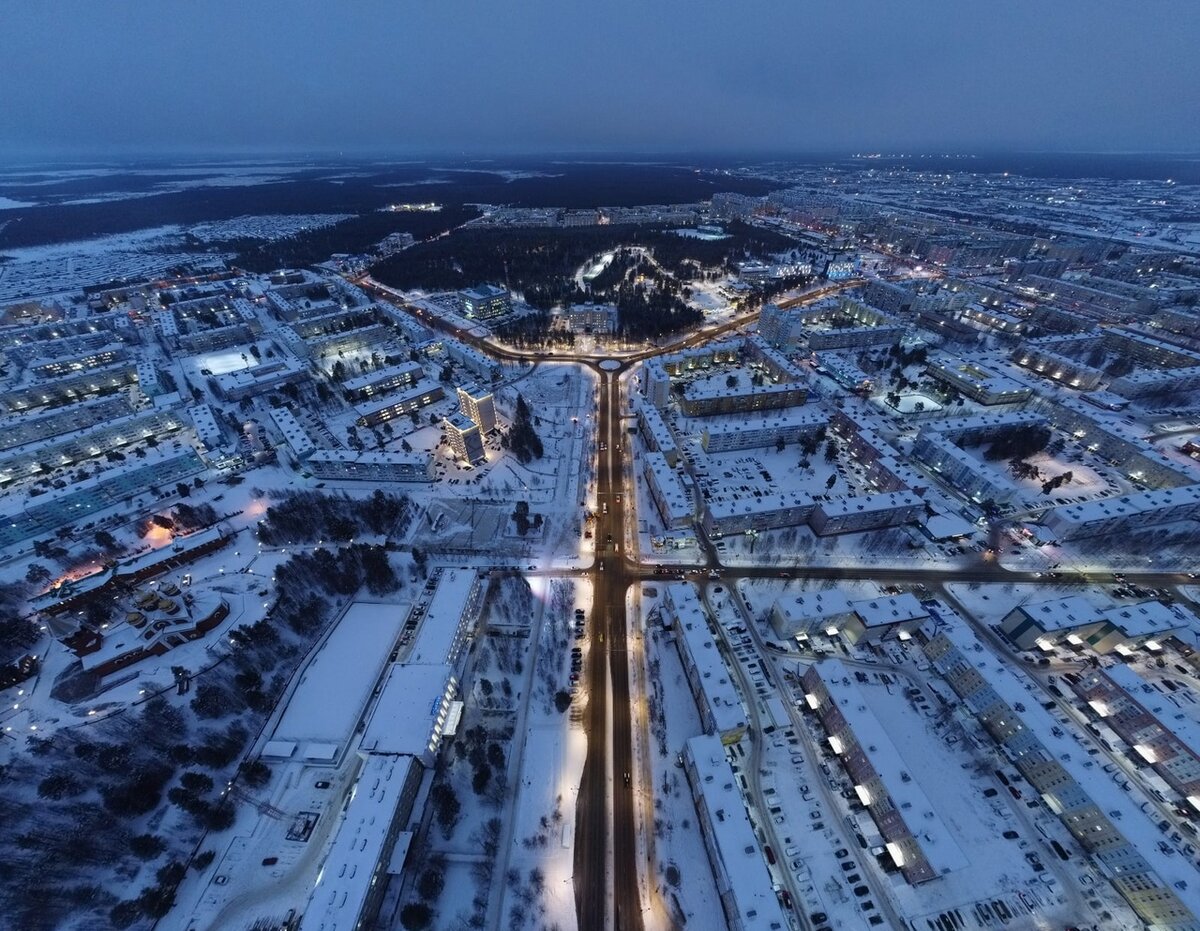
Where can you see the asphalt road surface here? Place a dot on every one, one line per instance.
(607, 657)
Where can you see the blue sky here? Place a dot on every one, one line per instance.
(411, 76)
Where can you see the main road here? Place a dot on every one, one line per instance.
(608, 769)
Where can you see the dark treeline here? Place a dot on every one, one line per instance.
(371, 186)
(306, 516)
(353, 236)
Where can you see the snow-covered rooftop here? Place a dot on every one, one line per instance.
(336, 683)
(349, 874)
(729, 831)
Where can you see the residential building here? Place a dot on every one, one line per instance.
(479, 405)
(857, 513)
(881, 781)
(404, 404)
(466, 439)
(742, 880)
(374, 466)
(675, 505)
(716, 696)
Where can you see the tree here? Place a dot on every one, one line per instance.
(831, 451)
(196, 783)
(105, 539)
(431, 883)
(522, 438)
(483, 775)
(36, 573)
(201, 861)
(184, 489)
(416, 916)
(256, 774)
(831, 481)
(146, 846)
(520, 516)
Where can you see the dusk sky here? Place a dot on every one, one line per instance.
(86, 78)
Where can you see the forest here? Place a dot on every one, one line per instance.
(541, 264)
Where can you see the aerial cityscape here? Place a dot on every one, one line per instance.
(469, 522)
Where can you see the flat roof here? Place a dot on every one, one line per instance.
(435, 638)
(348, 874)
(923, 822)
(408, 715)
(692, 627)
(1066, 613)
(750, 892)
(808, 605)
(1014, 688)
(1147, 617)
(1164, 709)
(337, 682)
(889, 609)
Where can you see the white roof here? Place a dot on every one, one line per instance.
(346, 879)
(947, 526)
(889, 609)
(336, 684)
(1066, 613)
(804, 606)
(882, 501)
(435, 638)
(927, 828)
(731, 833)
(1148, 617)
(1164, 709)
(692, 628)
(410, 711)
(1014, 689)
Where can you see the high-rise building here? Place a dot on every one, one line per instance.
(465, 438)
(478, 404)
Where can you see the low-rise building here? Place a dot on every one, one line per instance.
(1126, 514)
(655, 432)
(257, 379)
(382, 381)
(881, 781)
(763, 431)
(742, 880)
(706, 399)
(293, 433)
(484, 302)
(1032, 741)
(857, 513)
(208, 430)
(1144, 718)
(716, 696)
(1044, 623)
(978, 382)
(482, 367)
(592, 318)
(350, 887)
(375, 466)
(381, 410)
(675, 506)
